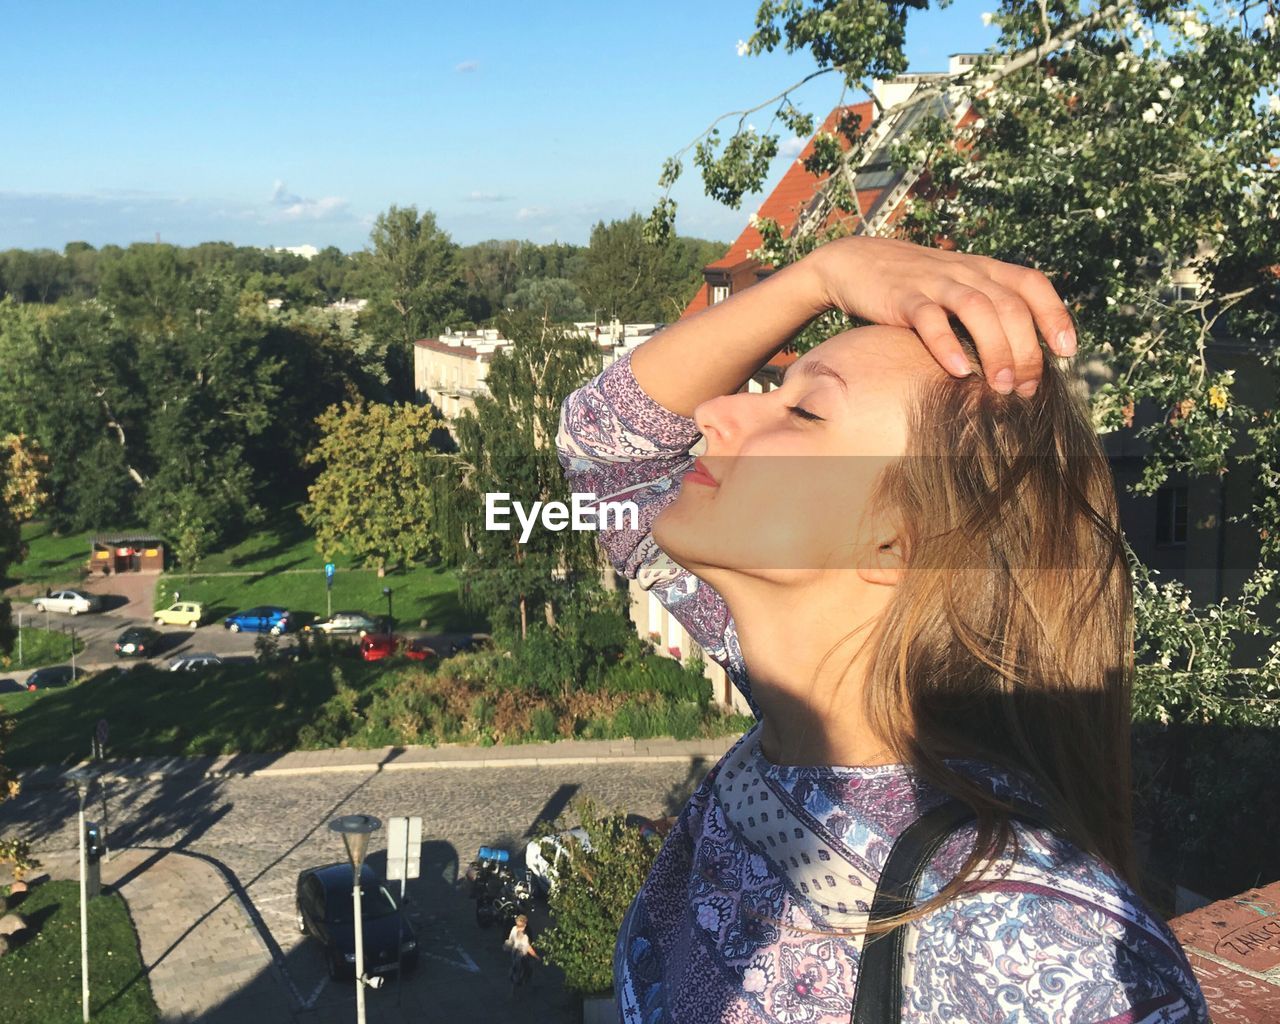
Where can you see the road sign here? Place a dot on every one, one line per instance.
(404, 848)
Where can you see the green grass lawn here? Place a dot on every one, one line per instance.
(282, 567)
(39, 646)
(40, 980)
(226, 709)
(50, 560)
(430, 593)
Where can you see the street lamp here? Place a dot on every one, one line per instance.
(82, 779)
(391, 623)
(355, 830)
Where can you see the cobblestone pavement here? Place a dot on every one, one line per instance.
(260, 831)
(196, 940)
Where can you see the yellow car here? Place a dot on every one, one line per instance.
(184, 613)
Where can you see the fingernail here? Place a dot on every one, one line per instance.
(959, 365)
(1066, 343)
(1027, 388)
(1003, 381)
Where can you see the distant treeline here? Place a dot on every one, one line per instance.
(165, 392)
(612, 276)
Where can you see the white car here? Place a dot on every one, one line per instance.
(194, 662)
(73, 602)
(545, 858)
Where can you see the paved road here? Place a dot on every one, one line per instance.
(99, 631)
(261, 831)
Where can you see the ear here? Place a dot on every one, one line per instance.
(885, 563)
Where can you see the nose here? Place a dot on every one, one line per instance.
(714, 422)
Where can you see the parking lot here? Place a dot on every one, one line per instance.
(261, 831)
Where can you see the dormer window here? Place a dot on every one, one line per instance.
(719, 292)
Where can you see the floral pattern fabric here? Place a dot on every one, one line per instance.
(753, 906)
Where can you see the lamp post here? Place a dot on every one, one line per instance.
(391, 623)
(82, 779)
(355, 830)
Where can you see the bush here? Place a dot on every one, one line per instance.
(17, 852)
(595, 889)
(654, 673)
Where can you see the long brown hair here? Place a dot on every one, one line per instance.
(1009, 638)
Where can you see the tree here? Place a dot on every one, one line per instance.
(20, 496)
(1110, 160)
(628, 277)
(597, 883)
(373, 498)
(507, 446)
(414, 282)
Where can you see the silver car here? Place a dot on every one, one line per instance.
(345, 624)
(72, 602)
(194, 662)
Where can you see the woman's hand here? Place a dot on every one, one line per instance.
(888, 281)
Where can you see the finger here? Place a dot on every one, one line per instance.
(929, 321)
(979, 314)
(1047, 308)
(1020, 330)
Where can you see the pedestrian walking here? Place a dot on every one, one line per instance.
(522, 953)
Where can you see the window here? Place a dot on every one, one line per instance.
(719, 292)
(1171, 515)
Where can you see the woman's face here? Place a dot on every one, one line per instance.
(792, 472)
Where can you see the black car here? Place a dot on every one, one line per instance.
(326, 913)
(54, 675)
(138, 642)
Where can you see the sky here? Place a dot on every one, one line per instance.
(287, 124)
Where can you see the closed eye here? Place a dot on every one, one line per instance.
(804, 414)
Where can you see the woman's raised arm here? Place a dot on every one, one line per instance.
(880, 280)
(715, 352)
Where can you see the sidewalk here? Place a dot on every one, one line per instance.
(201, 952)
(380, 759)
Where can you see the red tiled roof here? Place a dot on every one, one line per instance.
(796, 190)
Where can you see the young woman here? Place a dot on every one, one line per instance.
(908, 560)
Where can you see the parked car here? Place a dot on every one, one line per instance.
(263, 619)
(72, 602)
(376, 646)
(346, 624)
(138, 642)
(544, 858)
(418, 650)
(194, 662)
(325, 913)
(54, 675)
(183, 613)
(470, 643)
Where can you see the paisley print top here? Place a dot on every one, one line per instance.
(752, 909)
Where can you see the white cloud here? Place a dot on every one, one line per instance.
(530, 212)
(290, 206)
(793, 146)
(476, 196)
(467, 65)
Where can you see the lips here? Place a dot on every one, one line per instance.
(700, 475)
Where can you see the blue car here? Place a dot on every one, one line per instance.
(264, 619)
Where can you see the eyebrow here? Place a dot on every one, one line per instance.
(815, 368)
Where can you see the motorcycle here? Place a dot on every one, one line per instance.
(499, 895)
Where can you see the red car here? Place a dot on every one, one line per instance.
(376, 646)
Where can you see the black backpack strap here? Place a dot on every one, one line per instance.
(879, 991)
